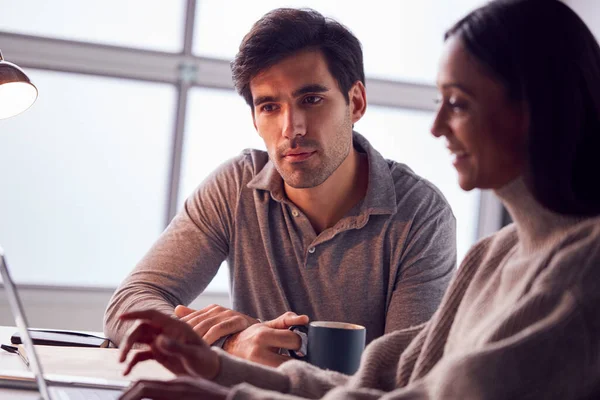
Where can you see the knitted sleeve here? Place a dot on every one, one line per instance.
(379, 366)
(548, 359)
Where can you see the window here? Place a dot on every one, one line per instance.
(84, 174)
(147, 24)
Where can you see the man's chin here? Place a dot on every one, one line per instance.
(306, 181)
(299, 184)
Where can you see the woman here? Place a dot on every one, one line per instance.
(520, 111)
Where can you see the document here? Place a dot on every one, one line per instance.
(97, 363)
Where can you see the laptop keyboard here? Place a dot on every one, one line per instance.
(65, 393)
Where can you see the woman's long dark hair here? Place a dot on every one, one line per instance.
(546, 57)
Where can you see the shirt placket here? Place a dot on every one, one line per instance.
(311, 254)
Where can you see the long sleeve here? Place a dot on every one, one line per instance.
(551, 357)
(428, 262)
(186, 256)
(296, 378)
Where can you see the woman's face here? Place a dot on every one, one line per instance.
(484, 130)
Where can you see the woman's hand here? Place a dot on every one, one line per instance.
(173, 343)
(180, 388)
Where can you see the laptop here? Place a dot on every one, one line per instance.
(55, 387)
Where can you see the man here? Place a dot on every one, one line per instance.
(320, 224)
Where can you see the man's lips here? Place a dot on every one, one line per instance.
(298, 155)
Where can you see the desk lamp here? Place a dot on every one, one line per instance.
(17, 93)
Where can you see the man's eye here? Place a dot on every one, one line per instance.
(268, 107)
(313, 99)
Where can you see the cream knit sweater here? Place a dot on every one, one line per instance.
(521, 320)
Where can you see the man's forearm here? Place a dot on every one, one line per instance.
(131, 298)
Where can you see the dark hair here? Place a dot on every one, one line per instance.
(546, 57)
(285, 31)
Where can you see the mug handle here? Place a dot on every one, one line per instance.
(303, 329)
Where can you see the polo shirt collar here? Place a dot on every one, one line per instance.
(381, 191)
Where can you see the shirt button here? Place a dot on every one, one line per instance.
(295, 213)
(311, 250)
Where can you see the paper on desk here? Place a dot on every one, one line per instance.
(95, 362)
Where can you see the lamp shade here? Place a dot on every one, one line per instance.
(17, 93)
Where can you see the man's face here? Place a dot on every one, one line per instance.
(303, 118)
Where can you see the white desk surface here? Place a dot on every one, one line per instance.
(99, 363)
(10, 361)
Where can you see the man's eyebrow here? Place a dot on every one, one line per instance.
(264, 99)
(312, 88)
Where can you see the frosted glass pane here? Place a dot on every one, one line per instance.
(84, 178)
(151, 24)
(403, 136)
(218, 127)
(401, 39)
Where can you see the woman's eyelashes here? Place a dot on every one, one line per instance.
(457, 104)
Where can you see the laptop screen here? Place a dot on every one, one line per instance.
(19, 314)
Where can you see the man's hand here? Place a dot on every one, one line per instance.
(214, 322)
(180, 388)
(173, 343)
(261, 342)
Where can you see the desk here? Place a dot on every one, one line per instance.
(78, 361)
(12, 362)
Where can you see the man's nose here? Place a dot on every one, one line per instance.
(294, 123)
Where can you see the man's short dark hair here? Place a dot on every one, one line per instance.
(546, 57)
(285, 31)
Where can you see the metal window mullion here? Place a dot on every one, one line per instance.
(190, 22)
(401, 94)
(90, 58)
(177, 151)
(184, 82)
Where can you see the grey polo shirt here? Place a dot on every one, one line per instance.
(384, 265)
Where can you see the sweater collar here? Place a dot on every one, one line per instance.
(538, 227)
